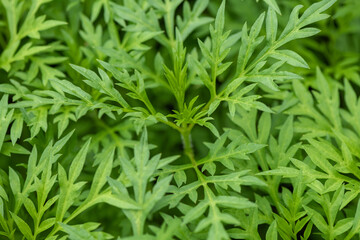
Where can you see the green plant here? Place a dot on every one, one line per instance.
(165, 119)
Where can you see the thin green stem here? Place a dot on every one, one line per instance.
(188, 148)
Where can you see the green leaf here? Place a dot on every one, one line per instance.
(234, 202)
(14, 182)
(70, 88)
(317, 219)
(212, 128)
(104, 84)
(266, 77)
(8, 149)
(196, 212)
(101, 174)
(271, 233)
(286, 134)
(342, 226)
(355, 223)
(192, 18)
(5, 118)
(290, 57)
(273, 4)
(119, 202)
(23, 227)
(78, 162)
(271, 25)
(314, 12)
(46, 224)
(220, 18)
(76, 233)
(16, 129)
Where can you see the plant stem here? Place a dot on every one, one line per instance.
(188, 148)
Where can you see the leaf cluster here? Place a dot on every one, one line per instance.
(176, 119)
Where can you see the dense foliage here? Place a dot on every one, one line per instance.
(179, 119)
